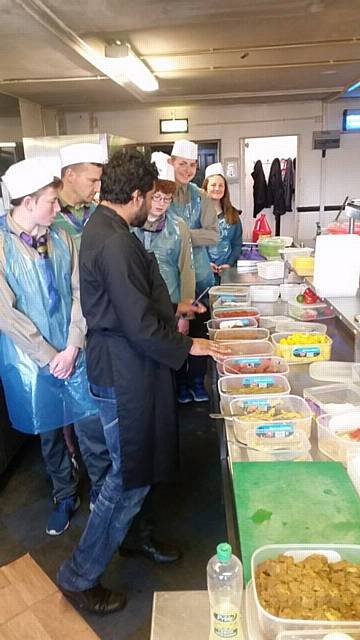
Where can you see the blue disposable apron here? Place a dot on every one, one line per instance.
(191, 213)
(36, 400)
(166, 246)
(220, 253)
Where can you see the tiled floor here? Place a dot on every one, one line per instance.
(189, 512)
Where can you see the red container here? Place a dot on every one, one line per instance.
(261, 227)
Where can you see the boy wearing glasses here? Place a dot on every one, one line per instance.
(169, 237)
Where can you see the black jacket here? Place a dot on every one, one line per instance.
(289, 184)
(132, 344)
(260, 189)
(276, 189)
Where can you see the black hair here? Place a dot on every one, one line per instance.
(56, 183)
(127, 171)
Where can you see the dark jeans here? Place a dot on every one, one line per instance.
(113, 511)
(195, 366)
(93, 450)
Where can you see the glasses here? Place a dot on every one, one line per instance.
(157, 197)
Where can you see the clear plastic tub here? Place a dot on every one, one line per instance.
(266, 293)
(279, 413)
(255, 365)
(232, 387)
(353, 467)
(294, 252)
(290, 291)
(216, 323)
(244, 348)
(303, 265)
(334, 435)
(272, 625)
(244, 333)
(352, 634)
(302, 353)
(301, 327)
(332, 371)
(232, 313)
(291, 448)
(271, 270)
(333, 398)
(308, 312)
(224, 296)
(271, 322)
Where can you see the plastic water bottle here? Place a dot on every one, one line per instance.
(225, 587)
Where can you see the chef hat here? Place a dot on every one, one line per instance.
(185, 149)
(30, 175)
(83, 152)
(215, 169)
(165, 170)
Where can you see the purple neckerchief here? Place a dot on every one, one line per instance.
(79, 224)
(155, 227)
(41, 246)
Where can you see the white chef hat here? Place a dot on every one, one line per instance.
(82, 152)
(30, 175)
(215, 169)
(165, 170)
(185, 149)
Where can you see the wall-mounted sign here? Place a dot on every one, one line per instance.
(231, 169)
(174, 125)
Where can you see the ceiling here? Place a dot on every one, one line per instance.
(230, 52)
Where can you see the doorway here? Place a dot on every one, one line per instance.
(266, 150)
(208, 153)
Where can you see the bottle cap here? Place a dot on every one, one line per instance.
(224, 551)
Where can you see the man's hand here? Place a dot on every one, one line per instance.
(214, 267)
(224, 266)
(183, 326)
(203, 347)
(62, 365)
(186, 308)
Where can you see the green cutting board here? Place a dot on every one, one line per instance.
(293, 502)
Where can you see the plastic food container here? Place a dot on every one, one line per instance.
(237, 323)
(333, 398)
(271, 322)
(266, 293)
(318, 635)
(255, 365)
(231, 313)
(332, 371)
(271, 449)
(271, 270)
(245, 333)
(247, 348)
(301, 327)
(306, 312)
(289, 253)
(290, 291)
(281, 414)
(269, 247)
(302, 353)
(303, 265)
(353, 467)
(224, 296)
(273, 625)
(332, 435)
(231, 387)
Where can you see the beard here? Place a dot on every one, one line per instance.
(140, 216)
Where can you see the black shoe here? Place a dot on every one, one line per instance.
(159, 552)
(97, 599)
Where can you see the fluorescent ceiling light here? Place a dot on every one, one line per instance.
(353, 87)
(11, 145)
(174, 125)
(122, 61)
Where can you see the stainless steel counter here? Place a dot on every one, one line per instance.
(233, 276)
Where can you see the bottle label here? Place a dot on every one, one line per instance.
(226, 624)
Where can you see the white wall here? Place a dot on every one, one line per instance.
(232, 123)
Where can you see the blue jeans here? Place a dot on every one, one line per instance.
(113, 511)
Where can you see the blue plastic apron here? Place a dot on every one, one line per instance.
(36, 400)
(166, 245)
(220, 252)
(191, 213)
